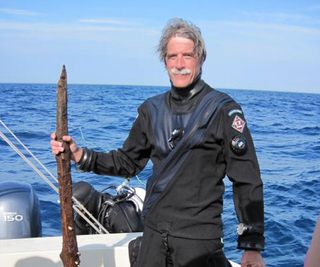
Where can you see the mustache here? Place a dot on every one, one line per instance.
(181, 72)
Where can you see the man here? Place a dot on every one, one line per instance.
(194, 136)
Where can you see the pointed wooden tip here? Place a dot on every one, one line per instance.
(63, 72)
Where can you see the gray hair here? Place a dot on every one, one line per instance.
(181, 28)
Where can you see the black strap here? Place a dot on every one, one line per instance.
(194, 133)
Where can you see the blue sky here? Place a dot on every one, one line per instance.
(264, 45)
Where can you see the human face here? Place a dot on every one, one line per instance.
(181, 62)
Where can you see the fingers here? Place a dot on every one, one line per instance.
(57, 146)
(53, 136)
(67, 139)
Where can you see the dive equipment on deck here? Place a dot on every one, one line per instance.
(118, 213)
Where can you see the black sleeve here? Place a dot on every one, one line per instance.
(243, 170)
(131, 158)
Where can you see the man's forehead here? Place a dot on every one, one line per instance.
(180, 39)
(180, 44)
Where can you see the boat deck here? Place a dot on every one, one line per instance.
(109, 250)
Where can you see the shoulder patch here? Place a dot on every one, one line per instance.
(238, 124)
(234, 111)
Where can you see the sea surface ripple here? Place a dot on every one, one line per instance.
(285, 128)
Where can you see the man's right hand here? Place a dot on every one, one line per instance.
(252, 258)
(57, 147)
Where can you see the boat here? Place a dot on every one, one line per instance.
(106, 250)
(22, 244)
(21, 240)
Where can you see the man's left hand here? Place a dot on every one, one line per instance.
(251, 258)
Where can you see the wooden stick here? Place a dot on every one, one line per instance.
(69, 254)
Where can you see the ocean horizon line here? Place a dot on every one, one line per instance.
(164, 87)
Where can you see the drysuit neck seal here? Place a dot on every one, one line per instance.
(186, 93)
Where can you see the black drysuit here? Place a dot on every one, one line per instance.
(189, 207)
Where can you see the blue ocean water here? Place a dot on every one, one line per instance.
(285, 127)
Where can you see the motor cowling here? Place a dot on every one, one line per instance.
(19, 211)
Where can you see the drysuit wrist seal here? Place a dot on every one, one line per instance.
(85, 160)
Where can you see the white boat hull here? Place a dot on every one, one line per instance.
(96, 251)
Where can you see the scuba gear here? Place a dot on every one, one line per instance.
(194, 132)
(193, 205)
(245, 228)
(134, 247)
(119, 213)
(92, 200)
(160, 249)
(84, 162)
(175, 137)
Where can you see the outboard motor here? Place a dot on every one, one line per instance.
(19, 211)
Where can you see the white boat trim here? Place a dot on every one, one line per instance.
(108, 250)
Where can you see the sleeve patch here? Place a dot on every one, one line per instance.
(238, 124)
